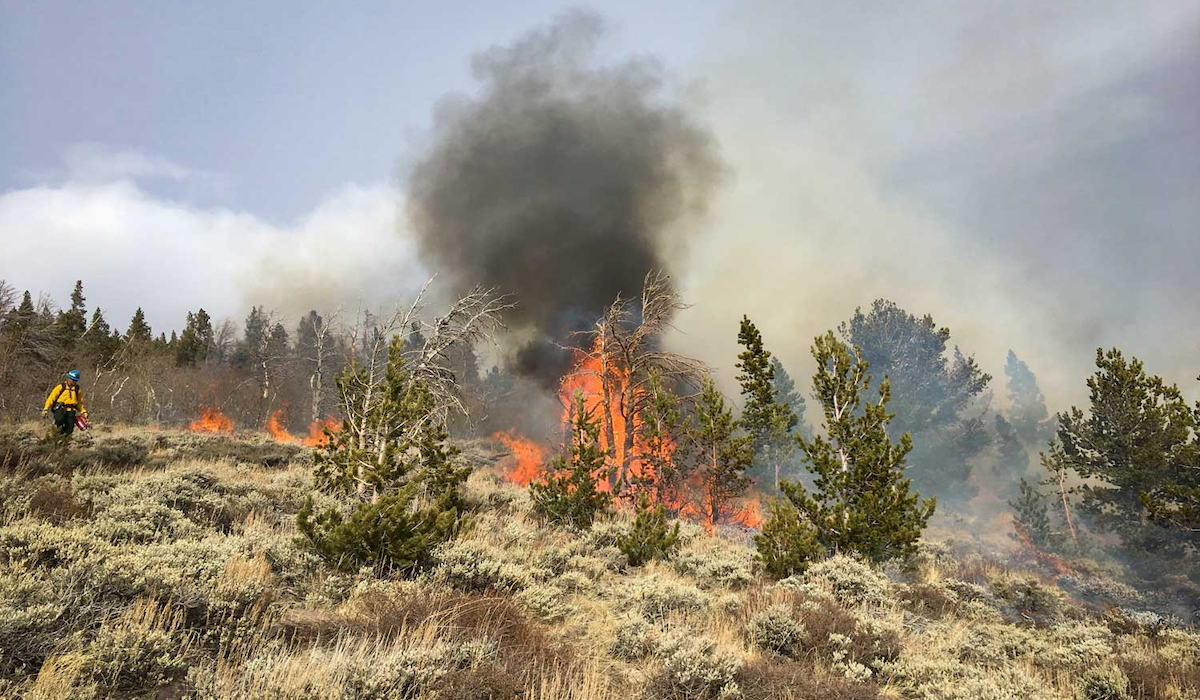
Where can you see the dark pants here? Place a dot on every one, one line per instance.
(64, 420)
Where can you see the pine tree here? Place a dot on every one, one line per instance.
(401, 490)
(250, 351)
(1012, 459)
(787, 543)
(1137, 437)
(787, 394)
(650, 537)
(139, 333)
(768, 421)
(1176, 503)
(721, 454)
(935, 397)
(100, 344)
(662, 455)
(71, 323)
(570, 494)
(1031, 518)
(196, 340)
(1027, 410)
(862, 501)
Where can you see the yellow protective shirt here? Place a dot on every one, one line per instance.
(68, 396)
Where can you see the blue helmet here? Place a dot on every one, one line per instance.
(73, 374)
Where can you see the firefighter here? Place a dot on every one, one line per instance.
(65, 402)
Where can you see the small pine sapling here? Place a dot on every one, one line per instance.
(788, 543)
(862, 501)
(570, 494)
(650, 538)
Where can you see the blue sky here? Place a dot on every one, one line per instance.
(1024, 171)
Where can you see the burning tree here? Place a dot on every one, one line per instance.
(390, 465)
(862, 502)
(624, 355)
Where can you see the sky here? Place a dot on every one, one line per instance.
(1026, 172)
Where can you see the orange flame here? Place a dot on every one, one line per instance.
(1030, 551)
(211, 421)
(529, 457)
(587, 379)
(316, 430)
(276, 428)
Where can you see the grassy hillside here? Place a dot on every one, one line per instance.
(164, 565)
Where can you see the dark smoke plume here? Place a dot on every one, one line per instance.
(563, 183)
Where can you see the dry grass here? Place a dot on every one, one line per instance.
(232, 598)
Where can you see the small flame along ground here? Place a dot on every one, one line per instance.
(316, 429)
(530, 458)
(211, 420)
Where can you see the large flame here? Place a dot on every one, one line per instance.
(529, 458)
(211, 420)
(619, 433)
(587, 379)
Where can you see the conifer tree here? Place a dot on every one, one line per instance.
(1176, 503)
(400, 491)
(1031, 518)
(196, 340)
(862, 501)
(787, 394)
(73, 322)
(650, 537)
(1137, 437)
(935, 393)
(721, 454)
(662, 455)
(768, 421)
(570, 494)
(1012, 459)
(787, 542)
(1027, 407)
(139, 333)
(100, 344)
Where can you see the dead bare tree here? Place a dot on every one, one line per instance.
(625, 348)
(322, 353)
(473, 318)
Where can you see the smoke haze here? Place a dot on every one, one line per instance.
(562, 183)
(1023, 172)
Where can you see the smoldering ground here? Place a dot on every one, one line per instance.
(562, 183)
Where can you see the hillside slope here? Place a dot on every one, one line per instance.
(162, 564)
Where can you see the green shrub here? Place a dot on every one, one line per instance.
(476, 566)
(694, 667)
(545, 600)
(787, 543)
(30, 612)
(650, 538)
(776, 629)
(1102, 683)
(143, 649)
(632, 640)
(714, 561)
(850, 580)
(657, 598)
(142, 523)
